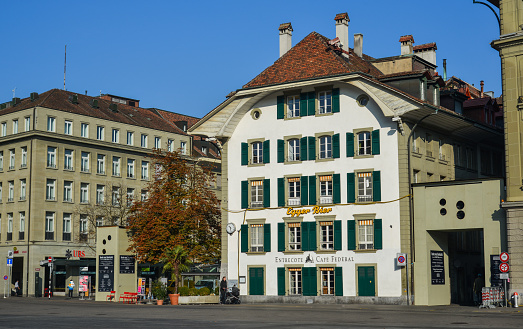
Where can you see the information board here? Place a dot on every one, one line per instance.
(141, 286)
(83, 283)
(495, 279)
(106, 273)
(437, 267)
(126, 264)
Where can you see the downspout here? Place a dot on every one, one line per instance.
(29, 199)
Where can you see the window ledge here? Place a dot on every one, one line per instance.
(443, 162)
(324, 114)
(326, 251)
(429, 158)
(291, 118)
(366, 251)
(292, 252)
(255, 253)
(292, 162)
(255, 164)
(416, 154)
(325, 160)
(364, 156)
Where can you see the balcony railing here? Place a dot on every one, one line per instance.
(257, 204)
(364, 198)
(66, 167)
(11, 167)
(23, 165)
(21, 235)
(49, 235)
(326, 199)
(22, 198)
(294, 202)
(66, 236)
(9, 236)
(51, 165)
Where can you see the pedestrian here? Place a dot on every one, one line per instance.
(71, 288)
(479, 283)
(223, 290)
(17, 288)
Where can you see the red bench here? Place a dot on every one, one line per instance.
(111, 296)
(129, 297)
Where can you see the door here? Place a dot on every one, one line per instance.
(256, 284)
(366, 281)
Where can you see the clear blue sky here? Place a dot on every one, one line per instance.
(185, 56)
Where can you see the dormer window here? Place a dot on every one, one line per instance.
(204, 150)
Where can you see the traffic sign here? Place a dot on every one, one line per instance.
(401, 260)
(504, 257)
(503, 267)
(9, 262)
(503, 276)
(9, 254)
(5, 277)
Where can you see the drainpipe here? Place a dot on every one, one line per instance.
(28, 197)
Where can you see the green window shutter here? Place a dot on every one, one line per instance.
(305, 281)
(311, 103)
(304, 186)
(376, 142)
(281, 236)
(266, 193)
(245, 194)
(337, 235)
(350, 144)
(376, 186)
(303, 104)
(313, 284)
(303, 149)
(335, 100)
(312, 190)
(245, 238)
(351, 234)
(312, 148)
(304, 236)
(351, 188)
(245, 154)
(267, 237)
(312, 236)
(266, 152)
(378, 234)
(281, 192)
(281, 150)
(281, 281)
(336, 146)
(338, 281)
(280, 107)
(336, 188)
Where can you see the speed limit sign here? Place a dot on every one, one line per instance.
(503, 267)
(504, 257)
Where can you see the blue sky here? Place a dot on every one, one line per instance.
(186, 56)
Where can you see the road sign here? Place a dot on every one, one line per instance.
(9, 254)
(504, 257)
(401, 260)
(5, 277)
(9, 262)
(503, 267)
(503, 276)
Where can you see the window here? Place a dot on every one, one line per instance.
(68, 191)
(145, 170)
(294, 230)
(325, 102)
(325, 147)
(9, 226)
(116, 136)
(143, 195)
(68, 127)
(116, 196)
(100, 191)
(183, 147)
(256, 237)
(11, 191)
(100, 164)
(68, 159)
(416, 176)
(24, 157)
(295, 287)
(84, 165)
(327, 281)
(204, 150)
(326, 236)
(441, 150)
(143, 140)
(325, 189)
(429, 145)
(66, 234)
(4, 129)
(84, 130)
(50, 190)
(23, 187)
(130, 196)
(100, 133)
(130, 138)
(257, 194)
(1, 160)
(294, 149)
(364, 144)
(51, 157)
(51, 124)
(116, 166)
(294, 191)
(27, 123)
(365, 234)
(364, 187)
(15, 126)
(170, 145)
(83, 224)
(49, 225)
(1, 190)
(84, 193)
(11, 159)
(157, 143)
(99, 221)
(293, 106)
(257, 152)
(21, 229)
(130, 168)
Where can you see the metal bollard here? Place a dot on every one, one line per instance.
(515, 300)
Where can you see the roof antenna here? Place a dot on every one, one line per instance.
(14, 90)
(65, 63)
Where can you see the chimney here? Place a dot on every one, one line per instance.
(406, 44)
(342, 30)
(285, 38)
(482, 83)
(358, 44)
(427, 52)
(445, 70)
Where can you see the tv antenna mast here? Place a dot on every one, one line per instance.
(14, 90)
(65, 63)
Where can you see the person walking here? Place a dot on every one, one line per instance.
(479, 283)
(223, 290)
(17, 288)
(71, 288)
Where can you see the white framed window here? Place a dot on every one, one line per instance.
(51, 124)
(23, 189)
(99, 221)
(365, 234)
(15, 126)
(326, 236)
(1, 190)
(325, 102)
(84, 164)
(294, 191)
(68, 191)
(11, 191)
(100, 133)
(256, 237)
(10, 223)
(84, 192)
(27, 123)
(157, 143)
(143, 195)
(67, 226)
(441, 150)
(364, 187)
(1, 160)
(325, 189)
(116, 166)
(100, 164)
(170, 145)
(100, 192)
(143, 140)
(23, 163)
(68, 127)
(83, 224)
(293, 106)
(51, 157)
(4, 129)
(256, 194)
(295, 282)
(116, 136)
(116, 196)
(50, 190)
(68, 159)
(183, 147)
(145, 170)
(130, 196)
(21, 215)
(294, 230)
(257, 152)
(49, 225)
(130, 138)
(84, 130)
(325, 147)
(327, 281)
(364, 143)
(293, 149)
(130, 168)
(12, 158)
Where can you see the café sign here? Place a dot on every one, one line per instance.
(295, 212)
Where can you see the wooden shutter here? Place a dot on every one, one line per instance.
(335, 100)
(266, 152)
(267, 237)
(304, 193)
(245, 238)
(311, 103)
(305, 236)
(351, 188)
(281, 281)
(312, 236)
(280, 100)
(281, 192)
(336, 146)
(281, 150)
(375, 142)
(338, 281)
(336, 187)
(350, 144)
(378, 234)
(312, 190)
(266, 193)
(312, 148)
(337, 235)
(245, 194)
(309, 277)
(303, 104)
(351, 234)
(376, 186)
(245, 154)
(303, 149)
(281, 236)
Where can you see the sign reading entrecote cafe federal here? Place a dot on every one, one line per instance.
(313, 259)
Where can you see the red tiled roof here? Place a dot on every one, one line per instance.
(474, 102)
(342, 16)
(175, 117)
(425, 46)
(405, 38)
(312, 57)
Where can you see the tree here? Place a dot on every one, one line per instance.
(180, 210)
(176, 261)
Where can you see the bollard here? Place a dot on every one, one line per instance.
(515, 302)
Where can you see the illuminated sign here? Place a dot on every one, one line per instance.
(293, 212)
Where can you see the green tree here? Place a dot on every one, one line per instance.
(177, 262)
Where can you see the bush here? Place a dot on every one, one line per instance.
(191, 284)
(183, 291)
(159, 290)
(193, 292)
(217, 291)
(204, 291)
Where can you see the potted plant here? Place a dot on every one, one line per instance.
(177, 262)
(159, 290)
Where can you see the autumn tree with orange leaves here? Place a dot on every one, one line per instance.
(180, 210)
